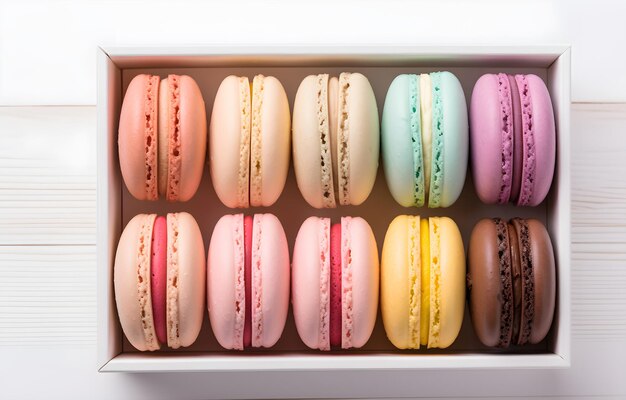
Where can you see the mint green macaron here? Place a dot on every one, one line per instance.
(425, 139)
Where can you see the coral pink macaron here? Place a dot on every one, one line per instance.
(159, 278)
(248, 281)
(335, 280)
(512, 139)
(162, 137)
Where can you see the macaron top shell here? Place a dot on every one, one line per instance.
(360, 281)
(452, 280)
(186, 279)
(361, 136)
(229, 136)
(270, 255)
(137, 139)
(182, 137)
(401, 142)
(455, 138)
(310, 295)
(133, 297)
(544, 138)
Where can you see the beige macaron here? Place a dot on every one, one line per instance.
(335, 139)
(182, 294)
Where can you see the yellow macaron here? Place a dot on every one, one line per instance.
(422, 282)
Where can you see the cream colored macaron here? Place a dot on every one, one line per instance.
(249, 141)
(335, 139)
(422, 282)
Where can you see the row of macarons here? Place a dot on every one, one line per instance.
(164, 282)
(425, 138)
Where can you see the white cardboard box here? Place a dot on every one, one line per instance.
(209, 65)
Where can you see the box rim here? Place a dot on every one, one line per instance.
(152, 56)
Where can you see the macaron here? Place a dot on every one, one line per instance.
(425, 139)
(335, 278)
(422, 282)
(511, 281)
(159, 278)
(335, 139)
(513, 139)
(248, 281)
(162, 137)
(249, 141)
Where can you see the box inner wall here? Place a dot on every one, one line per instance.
(379, 209)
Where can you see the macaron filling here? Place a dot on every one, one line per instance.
(517, 281)
(424, 238)
(335, 286)
(506, 283)
(158, 278)
(247, 239)
(517, 140)
(528, 281)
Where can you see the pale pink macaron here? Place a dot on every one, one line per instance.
(335, 280)
(159, 281)
(248, 281)
(249, 141)
(162, 137)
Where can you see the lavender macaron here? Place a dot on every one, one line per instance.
(512, 139)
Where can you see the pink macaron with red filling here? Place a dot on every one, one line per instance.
(159, 277)
(248, 281)
(335, 280)
(512, 139)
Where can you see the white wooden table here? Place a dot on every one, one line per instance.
(48, 191)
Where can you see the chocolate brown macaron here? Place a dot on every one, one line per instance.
(511, 281)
